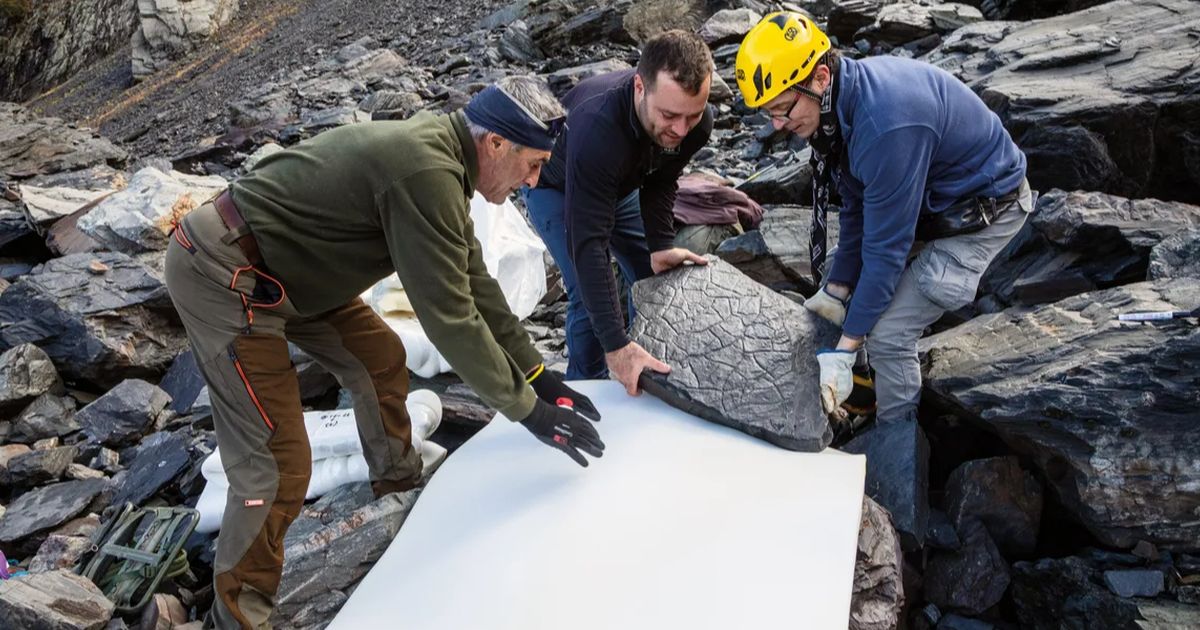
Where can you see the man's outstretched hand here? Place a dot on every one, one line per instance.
(565, 430)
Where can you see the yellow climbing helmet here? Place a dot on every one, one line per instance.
(779, 52)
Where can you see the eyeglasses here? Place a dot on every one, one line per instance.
(788, 115)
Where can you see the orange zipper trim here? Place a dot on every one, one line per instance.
(237, 364)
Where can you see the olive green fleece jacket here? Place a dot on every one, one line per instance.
(337, 213)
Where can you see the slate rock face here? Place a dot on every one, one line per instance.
(1176, 256)
(1005, 498)
(100, 317)
(878, 596)
(898, 475)
(160, 459)
(37, 467)
(1097, 406)
(168, 30)
(137, 218)
(741, 355)
(776, 254)
(30, 145)
(330, 547)
(1082, 241)
(55, 600)
(971, 579)
(786, 182)
(1101, 99)
(561, 81)
(1065, 593)
(123, 415)
(46, 417)
(728, 26)
(47, 507)
(26, 373)
(183, 382)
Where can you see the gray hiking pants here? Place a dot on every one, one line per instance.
(942, 277)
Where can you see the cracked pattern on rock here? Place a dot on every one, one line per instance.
(741, 355)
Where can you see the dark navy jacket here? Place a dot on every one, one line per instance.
(603, 156)
(916, 140)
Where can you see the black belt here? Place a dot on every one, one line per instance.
(964, 217)
(239, 232)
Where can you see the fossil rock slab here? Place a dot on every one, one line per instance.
(742, 355)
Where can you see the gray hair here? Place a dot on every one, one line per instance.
(529, 92)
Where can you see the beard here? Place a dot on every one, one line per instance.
(657, 135)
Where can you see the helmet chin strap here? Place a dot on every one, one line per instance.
(806, 91)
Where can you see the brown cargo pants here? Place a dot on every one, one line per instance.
(238, 321)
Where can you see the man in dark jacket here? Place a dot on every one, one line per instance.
(610, 187)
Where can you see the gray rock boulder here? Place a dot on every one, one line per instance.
(47, 416)
(330, 547)
(560, 25)
(183, 382)
(137, 218)
(998, 493)
(160, 460)
(1101, 99)
(45, 508)
(54, 600)
(1083, 241)
(898, 475)
(904, 22)
(1177, 256)
(45, 206)
(59, 552)
(788, 181)
(100, 317)
(970, 579)
(742, 355)
(878, 597)
(168, 30)
(1096, 405)
(123, 415)
(516, 44)
(728, 26)
(776, 254)
(30, 145)
(561, 81)
(26, 373)
(1055, 593)
(37, 467)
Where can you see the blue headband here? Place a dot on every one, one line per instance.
(494, 110)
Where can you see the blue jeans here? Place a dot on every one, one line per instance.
(585, 355)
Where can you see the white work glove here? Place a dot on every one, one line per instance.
(837, 377)
(826, 305)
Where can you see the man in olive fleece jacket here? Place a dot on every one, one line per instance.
(283, 255)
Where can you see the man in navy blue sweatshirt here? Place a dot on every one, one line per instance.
(917, 159)
(610, 187)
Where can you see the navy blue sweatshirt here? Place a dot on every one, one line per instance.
(917, 140)
(603, 156)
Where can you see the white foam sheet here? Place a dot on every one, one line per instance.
(682, 524)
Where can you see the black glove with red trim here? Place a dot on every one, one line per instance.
(549, 386)
(565, 430)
